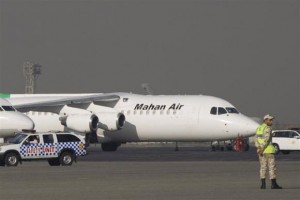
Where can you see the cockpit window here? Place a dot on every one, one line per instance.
(213, 111)
(8, 108)
(221, 111)
(1, 109)
(232, 110)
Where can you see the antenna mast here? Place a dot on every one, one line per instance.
(31, 72)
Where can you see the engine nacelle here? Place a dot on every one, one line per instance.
(111, 121)
(84, 123)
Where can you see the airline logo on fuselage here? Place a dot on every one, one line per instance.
(142, 106)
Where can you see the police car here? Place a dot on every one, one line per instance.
(285, 141)
(57, 148)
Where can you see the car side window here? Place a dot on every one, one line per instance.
(293, 134)
(286, 134)
(48, 138)
(281, 134)
(67, 138)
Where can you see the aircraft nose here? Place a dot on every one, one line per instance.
(251, 127)
(23, 122)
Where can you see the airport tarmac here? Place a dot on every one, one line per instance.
(151, 172)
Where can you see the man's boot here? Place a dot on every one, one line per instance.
(263, 183)
(275, 185)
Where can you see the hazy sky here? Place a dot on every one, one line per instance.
(246, 52)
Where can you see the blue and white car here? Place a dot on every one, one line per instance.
(57, 148)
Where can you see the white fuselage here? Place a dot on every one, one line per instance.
(178, 118)
(157, 118)
(12, 121)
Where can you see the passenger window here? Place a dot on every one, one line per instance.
(213, 110)
(221, 111)
(48, 138)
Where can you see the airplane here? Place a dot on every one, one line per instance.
(12, 121)
(118, 118)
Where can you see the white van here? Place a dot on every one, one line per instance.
(285, 141)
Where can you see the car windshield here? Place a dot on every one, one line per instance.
(18, 139)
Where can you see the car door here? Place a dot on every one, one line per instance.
(49, 147)
(294, 141)
(30, 150)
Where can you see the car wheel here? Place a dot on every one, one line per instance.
(11, 159)
(53, 162)
(66, 159)
(277, 149)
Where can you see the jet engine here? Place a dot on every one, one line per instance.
(111, 121)
(84, 123)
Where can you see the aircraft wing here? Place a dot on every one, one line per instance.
(54, 103)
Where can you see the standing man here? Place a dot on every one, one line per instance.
(265, 151)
